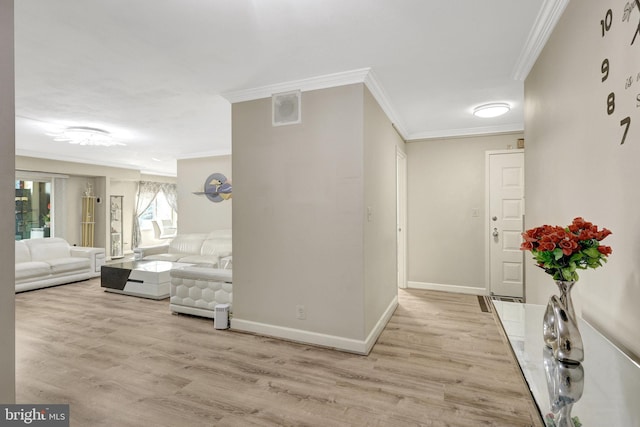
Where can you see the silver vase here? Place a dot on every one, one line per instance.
(560, 326)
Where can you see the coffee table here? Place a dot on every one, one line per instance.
(146, 279)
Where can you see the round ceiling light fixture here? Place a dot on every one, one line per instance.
(82, 135)
(494, 109)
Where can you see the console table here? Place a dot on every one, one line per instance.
(607, 384)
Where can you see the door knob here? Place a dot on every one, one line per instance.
(495, 232)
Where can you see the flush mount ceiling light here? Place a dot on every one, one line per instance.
(494, 109)
(83, 135)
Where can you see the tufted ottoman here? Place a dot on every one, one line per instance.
(197, 290)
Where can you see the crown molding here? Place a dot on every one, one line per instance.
(545, 22)
(70, 158)
(96, 162)
(201, 154)
(453, 133)
(380, 96)
(362, 75)
(312, 83)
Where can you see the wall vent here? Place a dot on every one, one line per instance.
(286, 108)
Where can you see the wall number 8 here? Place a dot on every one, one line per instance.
(611, 103)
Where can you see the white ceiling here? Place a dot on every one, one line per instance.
(152, 72)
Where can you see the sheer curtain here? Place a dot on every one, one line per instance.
(147, 193)
(171, 194)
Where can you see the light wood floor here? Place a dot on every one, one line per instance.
(126, 361)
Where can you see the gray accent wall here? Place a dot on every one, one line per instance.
(300, 231)
(575, 165)
(380, 270)
(7, 203)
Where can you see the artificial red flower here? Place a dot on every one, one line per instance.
(561, 251)
(605, 250)
(602, 234)
(568, 246)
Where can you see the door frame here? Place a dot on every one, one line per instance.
(487, 219)
(401, 218)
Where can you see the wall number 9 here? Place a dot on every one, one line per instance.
(605, 69)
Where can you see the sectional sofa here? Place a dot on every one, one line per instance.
(52, 261)
(204, 249)
(196, 289)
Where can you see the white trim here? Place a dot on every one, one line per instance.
(362, 75)
(472, 290)
(97, 162)
(451, 133)
(548, 16)
(312, 83)
(380, 324)
(307, 337)
(487, 220)
(380, 96)
(401, 200)
(195, 311)
(201, 154)
(27, 175)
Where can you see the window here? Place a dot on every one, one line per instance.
(159, 210)
(33, 209)
(158, 221)
(156, 204)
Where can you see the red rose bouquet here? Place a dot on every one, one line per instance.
(560, 251)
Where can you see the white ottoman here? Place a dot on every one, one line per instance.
(197, 290)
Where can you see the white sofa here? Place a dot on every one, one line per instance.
(197, 290)
(52, 261)
(205, 249)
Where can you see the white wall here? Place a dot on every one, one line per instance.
(7, 203)
(575, 165)
(197, 214)
(446, 181)
(298, 221)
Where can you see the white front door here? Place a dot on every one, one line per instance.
(505, 222)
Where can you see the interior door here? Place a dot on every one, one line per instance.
(401, 216)
(505, 223)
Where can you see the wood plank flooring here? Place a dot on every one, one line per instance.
(125, 361)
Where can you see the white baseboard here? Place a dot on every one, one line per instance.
(382, 322)
(448, 288)
(315, 338)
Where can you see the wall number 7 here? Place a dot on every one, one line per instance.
(626, 122)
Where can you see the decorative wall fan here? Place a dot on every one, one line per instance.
(216, 187)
